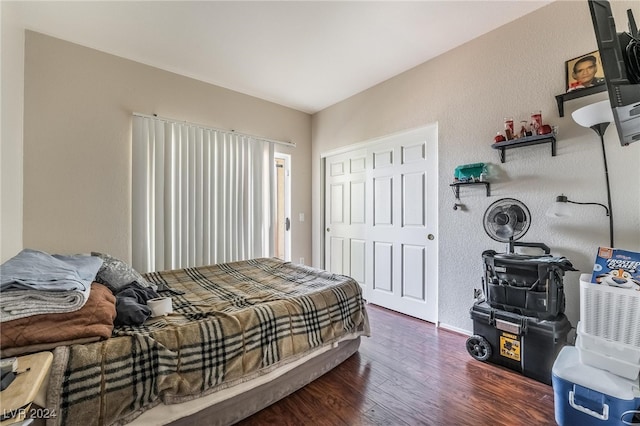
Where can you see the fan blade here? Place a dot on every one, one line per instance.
(518, 213)
(504, 231)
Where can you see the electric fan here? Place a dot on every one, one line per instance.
(507, 220)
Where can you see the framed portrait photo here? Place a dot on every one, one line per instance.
(584, 71)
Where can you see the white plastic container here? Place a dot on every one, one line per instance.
(607, 347)
(620, 361)
(610, 313)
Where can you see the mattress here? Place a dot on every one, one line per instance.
(231, 324)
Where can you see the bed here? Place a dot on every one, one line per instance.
(241, 336)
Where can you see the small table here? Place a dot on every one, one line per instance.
(17, 398)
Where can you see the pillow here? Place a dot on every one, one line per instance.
(117, 274)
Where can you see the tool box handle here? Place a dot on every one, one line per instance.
(541, 246)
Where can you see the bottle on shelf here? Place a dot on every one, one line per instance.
(508, 128)
(536, 122)
(524, 132)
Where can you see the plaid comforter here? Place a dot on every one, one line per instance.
(232, 322)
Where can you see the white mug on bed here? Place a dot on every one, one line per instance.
(160, 306)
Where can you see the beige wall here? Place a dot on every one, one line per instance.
(508, 72)
(11, 106)
(77, 142)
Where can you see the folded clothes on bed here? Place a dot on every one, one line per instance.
(15, 304)
(92, 322)
(34, 282)
(37, 270)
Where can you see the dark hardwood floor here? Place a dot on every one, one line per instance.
(411, 373)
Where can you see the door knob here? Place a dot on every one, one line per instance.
(430, 236)
(328, 230)
(287, 224)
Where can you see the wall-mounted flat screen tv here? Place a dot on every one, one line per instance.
(620, 56)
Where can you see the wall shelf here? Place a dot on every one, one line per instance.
(529, 140)
(560, 99)
(456, 187)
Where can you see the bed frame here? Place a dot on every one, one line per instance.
(276, 386)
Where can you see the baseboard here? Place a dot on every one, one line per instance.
(454, 329)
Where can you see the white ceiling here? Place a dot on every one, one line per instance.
(305, 55)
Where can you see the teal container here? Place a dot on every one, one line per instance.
(470, 171)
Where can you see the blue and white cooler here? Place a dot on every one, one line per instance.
(585, 395)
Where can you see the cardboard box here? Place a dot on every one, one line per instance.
(617, 268)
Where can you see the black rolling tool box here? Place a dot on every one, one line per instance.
(524, 284)
(525, 344)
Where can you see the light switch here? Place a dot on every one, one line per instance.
(301, 217)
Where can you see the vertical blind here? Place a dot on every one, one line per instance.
(200, 196)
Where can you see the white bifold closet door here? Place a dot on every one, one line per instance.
(381, 220)
(199, 196)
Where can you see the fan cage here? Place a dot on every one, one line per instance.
(505, 206)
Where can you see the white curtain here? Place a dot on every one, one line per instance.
(200, 196)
